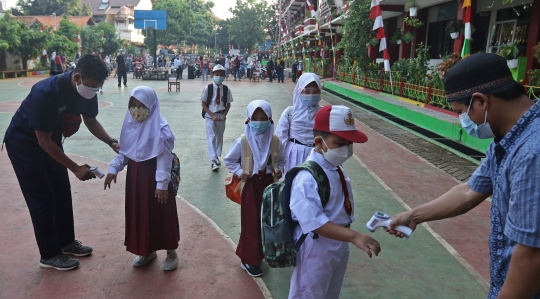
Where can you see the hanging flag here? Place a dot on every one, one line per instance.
(466, 50)
(310, 7)
(379, 26)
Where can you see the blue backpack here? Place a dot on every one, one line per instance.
(276, 220)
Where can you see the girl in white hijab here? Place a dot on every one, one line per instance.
(258, 130)
(147, 144)
(295, 127)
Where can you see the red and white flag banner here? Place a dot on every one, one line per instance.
(378, 25)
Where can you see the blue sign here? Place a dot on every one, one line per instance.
(154, 19)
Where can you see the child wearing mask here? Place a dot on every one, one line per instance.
(258, 131)
(216, 100)
(295, 126)
(321, 261)
(147, 144)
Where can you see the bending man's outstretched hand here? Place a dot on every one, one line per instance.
(405, 219)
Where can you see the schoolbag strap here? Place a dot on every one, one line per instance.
(225, 94)
(210, 94)
(321, 178)
(247, 156)
(274, 151)
(299, 242)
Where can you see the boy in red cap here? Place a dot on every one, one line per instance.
(322, 258)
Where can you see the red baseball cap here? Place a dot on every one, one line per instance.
(338, 120)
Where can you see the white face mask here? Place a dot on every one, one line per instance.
(482, 131)
(338, 156)
(85, 91)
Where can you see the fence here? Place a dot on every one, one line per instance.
(425, 91)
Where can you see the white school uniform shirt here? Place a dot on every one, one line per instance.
(163, 165)
(214, 107)
(232, 160)
(306, 206)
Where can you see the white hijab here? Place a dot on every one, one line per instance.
(141, 141)
(303, 117)
(53, 55)
(259, 143)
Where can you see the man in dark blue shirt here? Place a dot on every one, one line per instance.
(34, 145)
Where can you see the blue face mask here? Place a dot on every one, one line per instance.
(311, 100)
(259, 126)
(482, 131)
(219, 80)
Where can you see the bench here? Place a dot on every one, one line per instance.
(13, 74)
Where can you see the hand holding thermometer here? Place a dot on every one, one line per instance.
(380, 219)
(97, 172)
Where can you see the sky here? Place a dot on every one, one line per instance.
(221, 7)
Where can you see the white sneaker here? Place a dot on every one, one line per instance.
(171, 262)
(218, 162)
(140, 261)
(215, 167)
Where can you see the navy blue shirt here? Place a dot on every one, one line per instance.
(46, 106)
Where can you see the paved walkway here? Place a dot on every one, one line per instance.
(447, 259)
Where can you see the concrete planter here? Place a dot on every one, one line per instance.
(413, 11)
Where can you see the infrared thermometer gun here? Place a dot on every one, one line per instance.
(380, 219)
(97, 172)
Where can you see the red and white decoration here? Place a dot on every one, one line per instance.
(378, 25)
(310, 7)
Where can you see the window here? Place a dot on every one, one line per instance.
(439, 42)
(103, 6)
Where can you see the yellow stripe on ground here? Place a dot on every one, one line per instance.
(412, 102)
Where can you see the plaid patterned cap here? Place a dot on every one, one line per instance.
(480, 72)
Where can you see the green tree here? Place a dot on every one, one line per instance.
(109, 40)
(204, 21)
(222, 38)
(357, 32)
(90, 41)
(180, 21)
(249, 23)
(21, 40)
(62, 45)
(87, 10)
(47, 7)
(68, 29)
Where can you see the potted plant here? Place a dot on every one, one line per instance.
(396, 38)
(510, 52)
(412, 7)
(454, 27)
(413, 22)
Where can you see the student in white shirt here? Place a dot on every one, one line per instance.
(151, 215)
(295, 127)
(259, 130)
(322, 260)
(215, 114)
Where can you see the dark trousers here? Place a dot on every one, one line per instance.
(122, 73)
(280, 75)
(294, 75)
(271, 74)
(179, 71)
(47, 192)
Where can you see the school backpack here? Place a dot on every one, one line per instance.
(277, 224)
(175, 173)
(210, 94)
(233, 185)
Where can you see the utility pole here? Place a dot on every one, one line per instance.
(279, 30)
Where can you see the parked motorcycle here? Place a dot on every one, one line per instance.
(264, 74)
(198, 72)
(138, 70)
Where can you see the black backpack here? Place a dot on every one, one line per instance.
(210, 94)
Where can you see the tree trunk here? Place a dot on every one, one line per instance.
(3, 60)
(24, 63)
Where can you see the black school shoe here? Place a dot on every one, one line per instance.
(76, 248)
(60, 262)
(253, 271)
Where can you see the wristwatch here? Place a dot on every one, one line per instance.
(112, 141)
